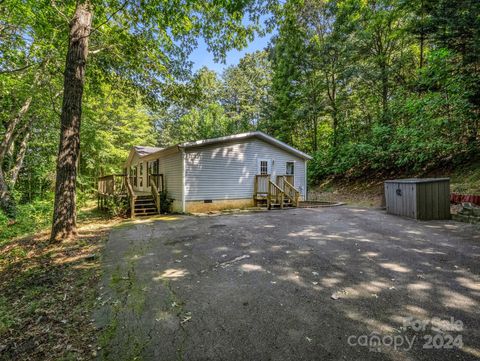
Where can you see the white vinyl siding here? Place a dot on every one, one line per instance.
(227, 171)
(171, 168)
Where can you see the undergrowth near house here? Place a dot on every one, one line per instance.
(47, 291)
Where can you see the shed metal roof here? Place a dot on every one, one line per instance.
(417, 180)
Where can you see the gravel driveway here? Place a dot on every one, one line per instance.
(302, 284)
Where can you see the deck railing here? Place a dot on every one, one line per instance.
(110, 184)
(131, 196)
(158, 179)
(275, 194)
(155, 193)
(290, 191)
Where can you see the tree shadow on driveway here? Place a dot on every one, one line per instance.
(303, 284)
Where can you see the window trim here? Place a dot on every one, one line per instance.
(286, 168)
(260, 161)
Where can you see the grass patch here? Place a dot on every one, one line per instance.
(48, 290)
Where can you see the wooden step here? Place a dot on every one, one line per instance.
(149, 212)
(145, 205)
(144, 200)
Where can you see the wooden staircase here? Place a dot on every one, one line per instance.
(144, 206)
(277, 194)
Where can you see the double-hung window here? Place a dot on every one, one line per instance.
(290, 168)
(264, 167)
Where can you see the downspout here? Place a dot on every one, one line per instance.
(306, 182)
(183, 177)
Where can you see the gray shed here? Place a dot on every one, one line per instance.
(419, 198)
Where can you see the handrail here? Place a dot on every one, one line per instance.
(110, 175)
(159, 177)
(277, 192)
(155, 193)
(295, 197)
(131, 195)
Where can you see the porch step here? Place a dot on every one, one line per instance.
(144, 199)
(277, 205)
(146, 212)
(145, 206)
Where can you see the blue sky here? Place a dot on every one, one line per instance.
(201, 57)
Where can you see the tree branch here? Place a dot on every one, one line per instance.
(16, 70)
(54, 5)
(110, 17)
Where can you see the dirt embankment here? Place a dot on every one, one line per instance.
(368, 192)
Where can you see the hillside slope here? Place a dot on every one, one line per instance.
(367, 192)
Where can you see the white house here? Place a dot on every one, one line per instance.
(227, 172)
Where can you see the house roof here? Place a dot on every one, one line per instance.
(151, 151)
(256, 134)
(144, 150)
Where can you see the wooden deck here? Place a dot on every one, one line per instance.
(141, 203)
(271, 193)
(280, 193)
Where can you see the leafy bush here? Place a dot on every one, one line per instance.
(116, 205)
(31, 217)
(165, 202)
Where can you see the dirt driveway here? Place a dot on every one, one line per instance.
(302, 284)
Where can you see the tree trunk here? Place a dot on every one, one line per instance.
(64, 213)
(12, 125)
(7, 203)
(20, 157)
(335, 127)
(385, 91)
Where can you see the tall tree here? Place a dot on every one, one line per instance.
(64, 212)
(246, 91)
(291, 69)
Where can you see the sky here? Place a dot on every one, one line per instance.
(201, 57)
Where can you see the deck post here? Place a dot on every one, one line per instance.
(255, 189)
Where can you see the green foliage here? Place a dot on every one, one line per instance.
(31, 217)
(384, 86)
(208, 106)
(116, 206)
(165, 202)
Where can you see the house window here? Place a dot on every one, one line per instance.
(264, 167)
(141, 175)
(150, 172)
(135, 176)
(290, 168)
